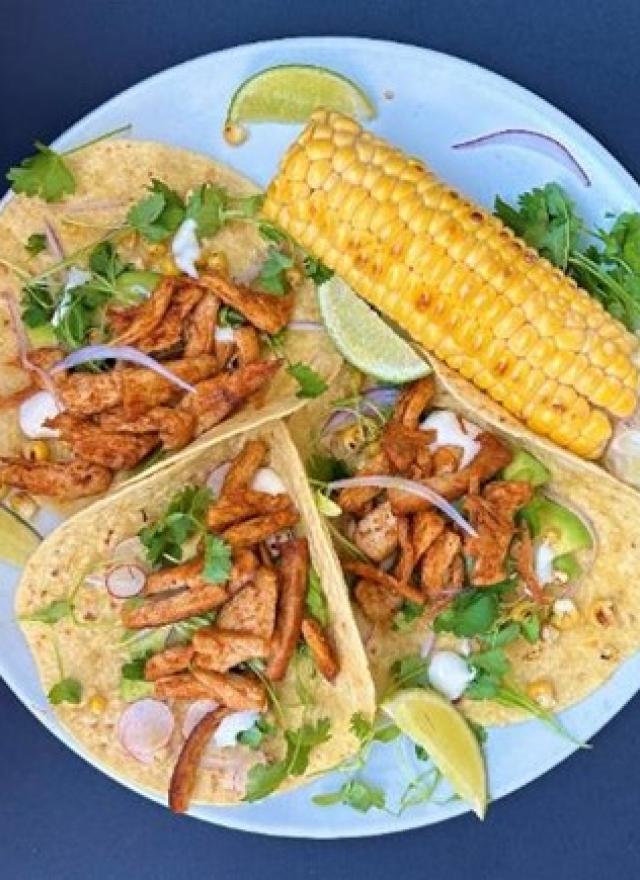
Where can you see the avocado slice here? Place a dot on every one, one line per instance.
(568, 564)
(566, 530)
(42, 336)
(527, 468)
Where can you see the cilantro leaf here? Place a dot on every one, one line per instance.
(78, 313)
(409, 671)
(472, 612)
(67, 690)
(420, 790)
(407, 615)
(206, 205)
(51, 613)
(361, 727)
(326, 468)
(105, 262)
(316, 270)
(134, 669)
(217, 559)
(421, 753)
(158, 215)
(622, 242)
(316, 601)
(272, 275)
(38, 304)
(44, 174)
(254, 736)
(264, 779)
(228, 317)
(36, 243)
(355, 793)
(310, 383)
(184, 517)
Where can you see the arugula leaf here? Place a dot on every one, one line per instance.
(67, 690)
(217, 559)
(158, 215)
(184, 517)
(355, 793)
(316, 601)
(407, 615)
(51, 613)
(254, 736)
(471, 613)
(36, 243)
(409, 671)
(44, 174)
(263, 779)
(272, 275)
(316, 270)
(310, 383)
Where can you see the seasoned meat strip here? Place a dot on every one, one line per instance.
(64, 479)
(253, 608)
(201, 327)
(167, 662)
(405, 447)
(232, 689)
(219, 650)
(413, 401)
(157, 612)
(322, 650)
(266, 312)
(293, 590)
(427, 525)
(377, 602)
(114, 450)
(185, 575)
(183, 778)
(175, 427)
(355, 500)
(377, 576)
(244, 466)
(376, 534)
(259, 528)
(142, 319)
(242, 505)
(439, 571)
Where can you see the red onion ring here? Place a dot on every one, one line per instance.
(121, 353)
(144, 727)
(124, 581)
(534, 140)
(413, 488)
(372, 399)
(54, 245)
(23, 346)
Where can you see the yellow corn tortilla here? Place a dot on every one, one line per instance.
(582, 658)
(111, 176)
(93, 652)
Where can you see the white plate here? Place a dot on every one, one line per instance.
(437, 101)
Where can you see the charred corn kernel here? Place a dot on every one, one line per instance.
(424, 256)
(565, 614)
(36, 450)
(216, 262)
(603, 612)
(23, 504)
(157, 250)
(609, 653)
(168, 267)
(235, 134)
(97, 704)
(542, 692)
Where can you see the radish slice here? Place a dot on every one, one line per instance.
(185, 247)
(413, 488)
(125, 581)
(217, 476)
(227, 733)
(453, 431)
(268, 481)
(144, 727)
(129, 550)
(225, 335)
(120, 353)
(533, 140)
(34, 412)
(449, 673)
(195, 713)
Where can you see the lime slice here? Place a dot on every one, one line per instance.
(364, 339)
(432, 722)
(18, 539)
(291, 92)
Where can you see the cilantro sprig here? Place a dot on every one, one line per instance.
(184, 517)
(609, 269)
(46, 174)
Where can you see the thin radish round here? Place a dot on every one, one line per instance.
(195, 713)
(124, 581)
(34, 412)
(144, 727)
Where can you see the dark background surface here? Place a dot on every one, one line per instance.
(59, 818)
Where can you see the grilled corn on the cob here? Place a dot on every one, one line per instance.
(459, 281)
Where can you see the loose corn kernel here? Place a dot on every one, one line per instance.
(97, 704)
(609, 653)
(542, 691)
(157, 250)
(23, 504)
(36, 450)
(603, 612)
(565, 614)
(215, 262)
(235, 134)
(168, 267)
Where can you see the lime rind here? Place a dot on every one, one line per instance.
(291, 92)
(364, 339)
(18, 538)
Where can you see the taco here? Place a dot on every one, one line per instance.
(479, 558)
(537, 342)
(140, 312)
(192, 630)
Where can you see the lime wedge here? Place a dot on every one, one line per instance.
(364, 339)
(18, 539)
(291, 92)
(432, 722)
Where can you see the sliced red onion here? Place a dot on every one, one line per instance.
(268, 481)
(34, 412)
(195, 713)
(144, 727)
(371, 400)
(413, 488)
(534, 140)
(54, 245)
(120, 353)
(384, 396)
(82, 206)
(308, 326)
(23, 344)
(338, 419)
(426, 645)
(125, 581)
(217, 476)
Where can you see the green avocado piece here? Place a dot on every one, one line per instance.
(567, 532)
(134, 286)
(42, 336)
(569, 565)
(527, 468)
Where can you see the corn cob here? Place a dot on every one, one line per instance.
(459, 281)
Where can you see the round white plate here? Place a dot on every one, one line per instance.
(427, 102)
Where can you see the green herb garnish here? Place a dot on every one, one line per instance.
(184, 517)
(254, 736)
(217, 559)
(36, 243)
(51, 613)
(355, 793)
(67, 690)
(310, 383)
(316, 601)
(272, 277)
